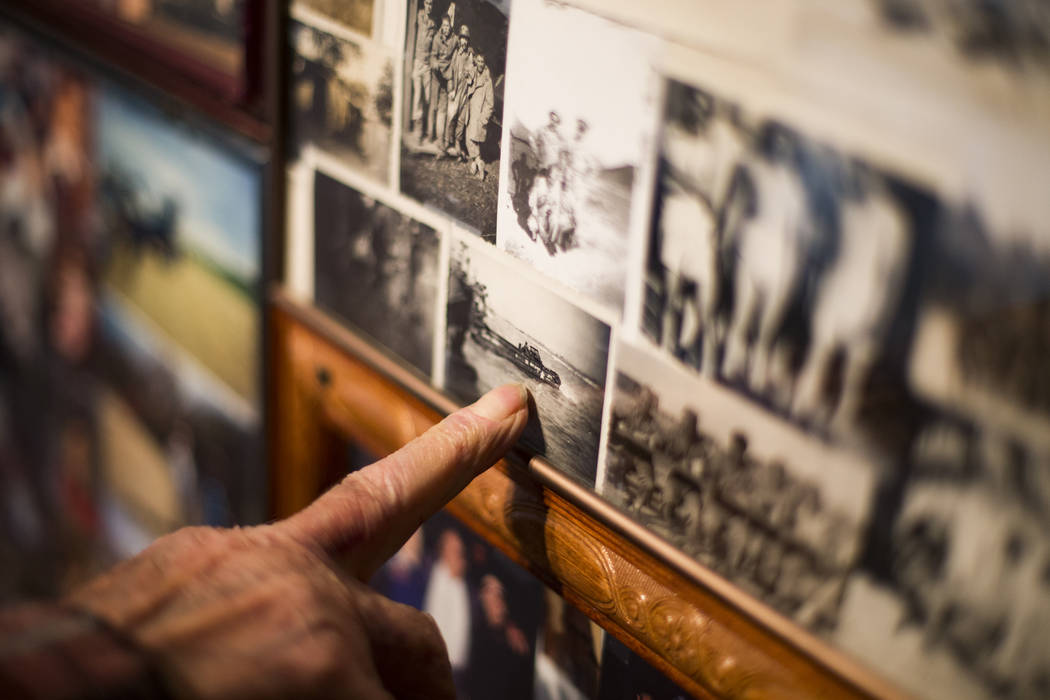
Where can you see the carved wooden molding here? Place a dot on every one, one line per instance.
(686, 629)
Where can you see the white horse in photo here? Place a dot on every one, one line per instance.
(771, 247)
(856, 301)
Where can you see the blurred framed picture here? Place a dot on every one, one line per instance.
(130, 321)
(178, 313)
(216, 43)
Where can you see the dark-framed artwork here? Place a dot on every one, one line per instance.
(117, 212)
(214, 43)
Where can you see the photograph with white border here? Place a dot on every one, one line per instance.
(505, 326)
(581, 111)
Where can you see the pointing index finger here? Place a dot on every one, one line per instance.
(364, 519)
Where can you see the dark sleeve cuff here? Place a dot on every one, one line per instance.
(51, 652)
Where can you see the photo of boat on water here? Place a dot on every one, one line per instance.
(504, 328)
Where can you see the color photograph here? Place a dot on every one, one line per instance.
(580, 113)
(504, 327)
(183, 219)
(568, 652)
(486, 607)
(455, 58)
(177, 447)
(342, 98)
(377, 269)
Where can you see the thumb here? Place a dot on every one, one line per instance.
(363, 520)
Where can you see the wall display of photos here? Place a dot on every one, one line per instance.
(129, 322)
(216, 43)
(791, 320)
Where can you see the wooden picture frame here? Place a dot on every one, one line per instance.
(329, 386)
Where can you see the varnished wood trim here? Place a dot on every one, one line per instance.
(692, 624)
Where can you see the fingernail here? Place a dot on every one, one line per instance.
(502, 402)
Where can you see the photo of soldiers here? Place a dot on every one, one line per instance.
(455, 55)
(461, 84)
(479, 113)
(439, 60)
(425, 30)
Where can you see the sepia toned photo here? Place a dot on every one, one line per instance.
(579, 119)
(502, 327)
(486, 607)
(455, 57)
(342, 98)
(376, 268)
(352, 14)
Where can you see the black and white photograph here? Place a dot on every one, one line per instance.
(775, 511)
(504, 327)
(627, 676)
(486, 607)
(342, 97)
(894, 323)
(783, 268)
(568, 652)
(455, 58)
(353, 14)
(377, 269)
(1015, 34)
(580, 116)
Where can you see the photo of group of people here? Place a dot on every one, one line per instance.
(485, 606)
(455, 58)
(580, 115)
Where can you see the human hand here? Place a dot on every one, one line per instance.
(282, 610)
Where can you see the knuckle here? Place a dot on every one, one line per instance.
(430, 633)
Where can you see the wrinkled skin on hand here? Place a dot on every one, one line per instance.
(282, 610)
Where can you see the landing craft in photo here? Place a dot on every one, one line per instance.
(580, 112)
(501, 327)
(454, 62)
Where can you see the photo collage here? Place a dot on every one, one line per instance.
(109, 231)
(805, 354)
